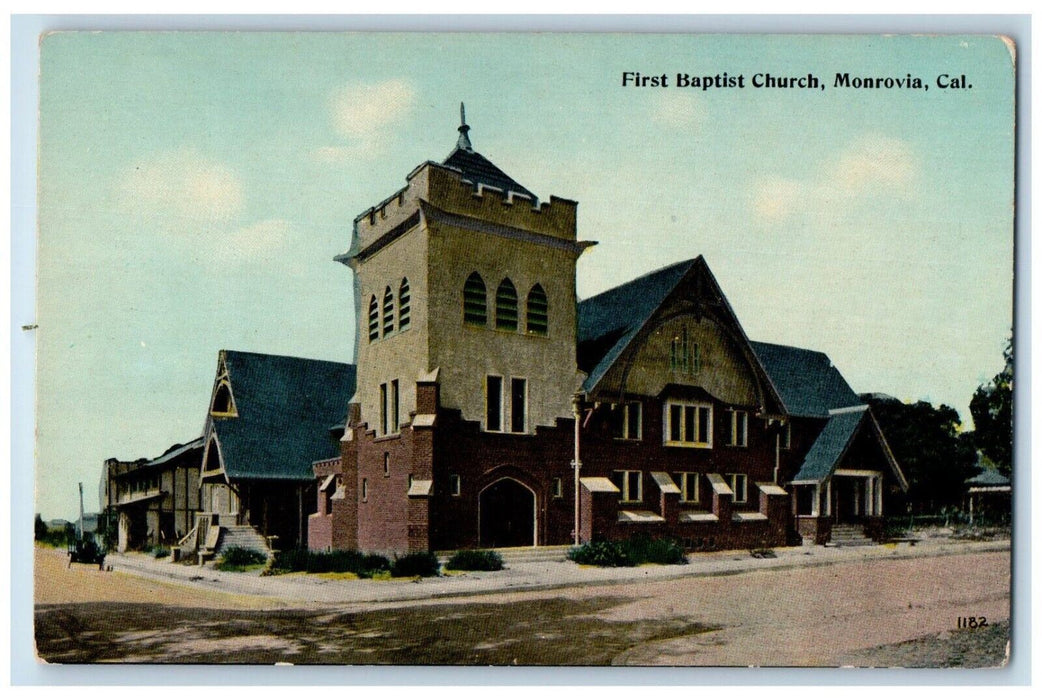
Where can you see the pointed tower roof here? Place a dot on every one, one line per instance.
(476, 167)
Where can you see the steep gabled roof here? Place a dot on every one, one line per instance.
(831, 445)
(809, 384)
(610, 320)
(835, 439)
(285, 406)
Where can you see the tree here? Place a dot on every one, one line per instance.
(934, 456)
(992, 411)
(40, 528)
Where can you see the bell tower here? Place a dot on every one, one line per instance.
(465, 278)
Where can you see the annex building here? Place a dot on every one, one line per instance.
(492, 408)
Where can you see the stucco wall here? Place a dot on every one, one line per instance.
(400, 355)
(466, 354)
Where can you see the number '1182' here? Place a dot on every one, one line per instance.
(971, 622)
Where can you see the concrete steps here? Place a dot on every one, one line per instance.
(516, 555)
(849, 536)
(242, 536)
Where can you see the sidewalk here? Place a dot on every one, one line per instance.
(521, 575)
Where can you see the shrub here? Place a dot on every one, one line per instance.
(644, 550)
(416, 564)
(475, 560)
(338, 561)
(239, 558)
(160, 552)
(601, 553)
(632, 552)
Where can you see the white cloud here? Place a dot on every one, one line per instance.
(365, 114)
(356, 151)
(361, 110)
(775, 198)
(260, 241)
(677, 109)
(872, 164)
(183, 183)
(875, 161)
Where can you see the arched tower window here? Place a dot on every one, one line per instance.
(536, 323)
(374, 319)
(506, 306)
(475, 302)
(403, 305)
(388, 315)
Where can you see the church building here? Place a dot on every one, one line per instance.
(491, 408)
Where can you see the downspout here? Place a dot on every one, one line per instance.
(576, 462)
(777, 456)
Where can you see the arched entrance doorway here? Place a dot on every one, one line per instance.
(507, 515)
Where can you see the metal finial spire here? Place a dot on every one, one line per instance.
(464, 140)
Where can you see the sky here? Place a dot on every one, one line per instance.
(195, 187)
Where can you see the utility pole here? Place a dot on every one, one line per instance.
(577, 463)
(80, 533)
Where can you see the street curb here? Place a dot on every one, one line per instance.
(628, 576)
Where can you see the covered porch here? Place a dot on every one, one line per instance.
(839, 493)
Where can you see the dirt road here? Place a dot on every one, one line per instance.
(842, 614)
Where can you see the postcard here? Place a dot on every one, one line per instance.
(536, 349)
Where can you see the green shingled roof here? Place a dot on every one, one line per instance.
(835, 439)
(831, 445)
(285, 406)
(808, 382)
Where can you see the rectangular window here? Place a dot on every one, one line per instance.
(455, 487)
(494, 403)
(675, 420)
(558, 487)
(387, 464)
(630, 484)
(740, 486)
(688, 484)
(395, 423)
(689, 424)
(739, 429)
(786, 437)
(518, 404)
(627, 419)
(365, 490)
(383, 409)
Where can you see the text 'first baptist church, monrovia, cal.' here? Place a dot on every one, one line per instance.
(809, 81)
(489, 408)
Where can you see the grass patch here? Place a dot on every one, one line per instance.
(475, 560)
(339, 576)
